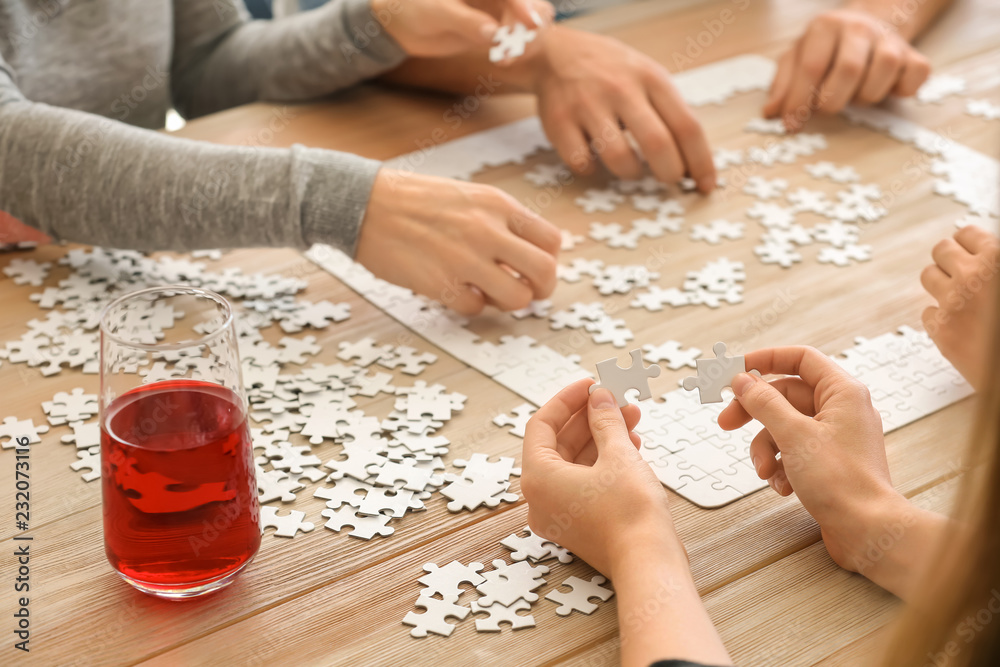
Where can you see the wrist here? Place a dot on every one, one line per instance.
(890, 16)
(647, 546)
(893, 542)
(529, 74)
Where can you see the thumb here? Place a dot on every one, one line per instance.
(607, 425)
(768, 406)
(477, 26)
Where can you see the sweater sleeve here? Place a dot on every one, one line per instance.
(80, 177)
(221, 59)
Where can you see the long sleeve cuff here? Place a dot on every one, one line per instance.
(336, 188)
(359, 24)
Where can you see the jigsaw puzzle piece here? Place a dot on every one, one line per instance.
(579, 596)
(706, 492)
(433, 618)
(714, 375)
(498, 614)
(619, 380)
(286, 526)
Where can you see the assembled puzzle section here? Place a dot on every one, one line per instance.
(689, 453)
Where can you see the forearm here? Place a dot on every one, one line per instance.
(660, 613)
(910, 18)
(460, 75)
(83, 178)
(895, 542)
(304, 56)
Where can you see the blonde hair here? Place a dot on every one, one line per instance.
(956, 618)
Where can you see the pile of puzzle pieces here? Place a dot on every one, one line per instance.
(504, 591)
(381, 467)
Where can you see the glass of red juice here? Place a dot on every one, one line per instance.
(181, 517)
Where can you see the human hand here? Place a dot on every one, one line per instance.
(13, 231)
(441, 28)
(961, 280)
(589, 86)
(829, 435)
(586, 484)
(465, 244)
(844, 56)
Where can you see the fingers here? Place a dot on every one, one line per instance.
(780, 85)
(636, 439)
(535, 229)
(807, 362)
(499, 286)
(612, 146)
(525, 11)
(686, 130)
(930, 319)
(543, 427)
(543, 10)
(532, 263)
(848, 71)
(883, 73)
(569, 141)
(607, 425)
(779, 482)
(948, 255)
(815, 53)
(768, 406)
(763, 454)
(935, 281)
(915, 72)
(476, 26)
(576, 436)
(975, 239)
(657, 144)
(466, 299)
(795, 390)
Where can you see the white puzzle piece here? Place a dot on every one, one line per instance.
(511, 42)
(433, 619)
(500, 614)
(518, 419)
(506, 584)
(286, 526)
(536, 548)
(620, 380)
(714, 375)
(579, 596)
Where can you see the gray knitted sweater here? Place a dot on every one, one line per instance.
(84, 82)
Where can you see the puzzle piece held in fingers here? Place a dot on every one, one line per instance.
(619, 380)
(714, 375)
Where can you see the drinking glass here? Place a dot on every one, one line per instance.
(181, 516)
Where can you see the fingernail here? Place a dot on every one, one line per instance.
(488, 30)
(602, 399)
(706, 184)
(742, 382)
(753, 460)
(537, 18)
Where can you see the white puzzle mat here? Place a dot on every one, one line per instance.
(908, 377)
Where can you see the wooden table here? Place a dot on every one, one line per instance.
(774, 593)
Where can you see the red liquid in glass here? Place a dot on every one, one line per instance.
(180, 496)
